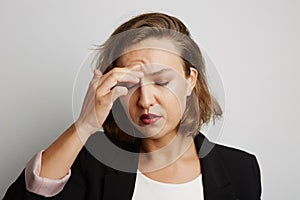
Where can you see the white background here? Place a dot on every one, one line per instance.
(254, 45)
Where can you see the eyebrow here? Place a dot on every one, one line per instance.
(160, 71)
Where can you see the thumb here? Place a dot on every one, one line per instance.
(97, 74)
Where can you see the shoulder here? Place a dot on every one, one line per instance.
(241, 166)
(222, 165)
(237, 161)
(234, 156)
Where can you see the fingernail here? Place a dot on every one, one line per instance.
(97, 72)
(139, 74)
(137, 67)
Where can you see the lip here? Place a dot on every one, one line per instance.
(149, 118)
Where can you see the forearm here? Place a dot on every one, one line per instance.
(58, 158)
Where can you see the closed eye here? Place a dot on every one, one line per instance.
(162, 83)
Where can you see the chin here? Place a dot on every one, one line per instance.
(149, 132)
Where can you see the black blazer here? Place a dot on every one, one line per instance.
(227, 174)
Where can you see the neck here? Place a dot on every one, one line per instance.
(158, 153)
(154, 144)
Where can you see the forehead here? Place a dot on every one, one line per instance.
(153, 54)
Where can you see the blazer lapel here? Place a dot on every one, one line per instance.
(216, 181)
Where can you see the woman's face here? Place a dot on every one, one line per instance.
(156, 104)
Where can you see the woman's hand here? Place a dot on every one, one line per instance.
(103, 90)
(101, 94)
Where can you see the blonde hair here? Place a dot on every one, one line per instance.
(201, 105)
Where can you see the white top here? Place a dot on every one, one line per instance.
(149, 189)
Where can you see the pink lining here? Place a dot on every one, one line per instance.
(40, 185)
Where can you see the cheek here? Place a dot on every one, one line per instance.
(177, 95)
(175, 105)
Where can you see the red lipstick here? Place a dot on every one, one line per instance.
(149, 118)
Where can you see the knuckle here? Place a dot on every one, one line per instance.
(104, 101)
(115, 69)
(98, 95)
(114, 75)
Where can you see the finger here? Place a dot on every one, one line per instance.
(97, 74)
(113, 80)
(135, 67)
(125, 69)
(106, 83)
(135, 70)
(117, 92)
(109, 98)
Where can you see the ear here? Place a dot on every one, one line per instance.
(191, 80)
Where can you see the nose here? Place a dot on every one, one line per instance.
(146, 97)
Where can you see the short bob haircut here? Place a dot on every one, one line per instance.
(201, 106)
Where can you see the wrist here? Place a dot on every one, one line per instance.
(83, 131)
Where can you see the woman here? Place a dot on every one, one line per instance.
(151, 100)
